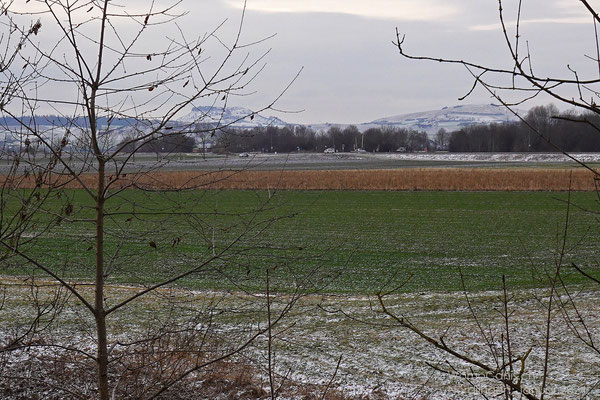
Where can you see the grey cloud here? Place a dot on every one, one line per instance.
(400, 10)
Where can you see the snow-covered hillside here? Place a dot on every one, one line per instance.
(237, 117)
(450, 118)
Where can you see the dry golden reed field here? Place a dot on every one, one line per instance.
(455, 179)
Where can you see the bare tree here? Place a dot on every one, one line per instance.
(441, 139)
(72, 202)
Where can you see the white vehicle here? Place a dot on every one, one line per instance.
(329, 150)
(244, 155)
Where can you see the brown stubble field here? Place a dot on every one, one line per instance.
(422, 179)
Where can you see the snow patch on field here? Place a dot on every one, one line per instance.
(496, 157)
(380, 358)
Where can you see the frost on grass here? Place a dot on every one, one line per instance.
(379, 359)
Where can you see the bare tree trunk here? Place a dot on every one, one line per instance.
(100, 315)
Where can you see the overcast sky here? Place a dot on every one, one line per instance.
(352, 72)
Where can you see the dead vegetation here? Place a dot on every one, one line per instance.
(444, 179)
(52, 374)
(153, 355)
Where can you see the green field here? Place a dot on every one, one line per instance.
(356, 242)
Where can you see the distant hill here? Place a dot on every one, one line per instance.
(449, 118)
(236, 117)
(55, 120)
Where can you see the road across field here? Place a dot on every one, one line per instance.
(319, 161)
(337, 161)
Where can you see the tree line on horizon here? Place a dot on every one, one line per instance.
(560, 131)
(566, 131)
(301, 138)
(286, 139)
(556, 131)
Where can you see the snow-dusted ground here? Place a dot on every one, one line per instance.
(316, 161)
(382, 359)
(312, 161)
(497, 157)
(394, 160)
